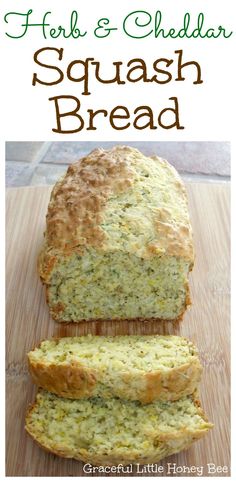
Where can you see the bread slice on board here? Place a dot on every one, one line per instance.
(131, 367)
(113, 431)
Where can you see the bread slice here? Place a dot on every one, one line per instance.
(118, 240)
(133, 367)
(113, 431)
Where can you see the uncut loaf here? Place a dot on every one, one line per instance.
(114, 431)
(118, 241)
(133, 367)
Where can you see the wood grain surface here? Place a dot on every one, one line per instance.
(206, 323)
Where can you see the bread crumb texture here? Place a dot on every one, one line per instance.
(118, 242)
(113, 431)
(133, 367)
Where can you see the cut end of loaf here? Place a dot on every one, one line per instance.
(118, 286)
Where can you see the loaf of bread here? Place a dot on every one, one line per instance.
(144, 368)
(112, 431)
(118, 241)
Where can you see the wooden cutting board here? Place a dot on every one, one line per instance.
(206, 323)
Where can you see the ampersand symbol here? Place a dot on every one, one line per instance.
(101, 31)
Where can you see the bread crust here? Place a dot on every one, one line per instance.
(78, 200)
(79, 204)
(74, 380)
(164, 444)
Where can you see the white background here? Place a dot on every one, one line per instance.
(207, 110)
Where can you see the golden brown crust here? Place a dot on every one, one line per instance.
(177, 383)
(77, 201)
(68, 380)
(78, 206)
(74, 380)
(45, 264)
(71, 381)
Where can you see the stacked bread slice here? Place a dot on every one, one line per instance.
(111, 400)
